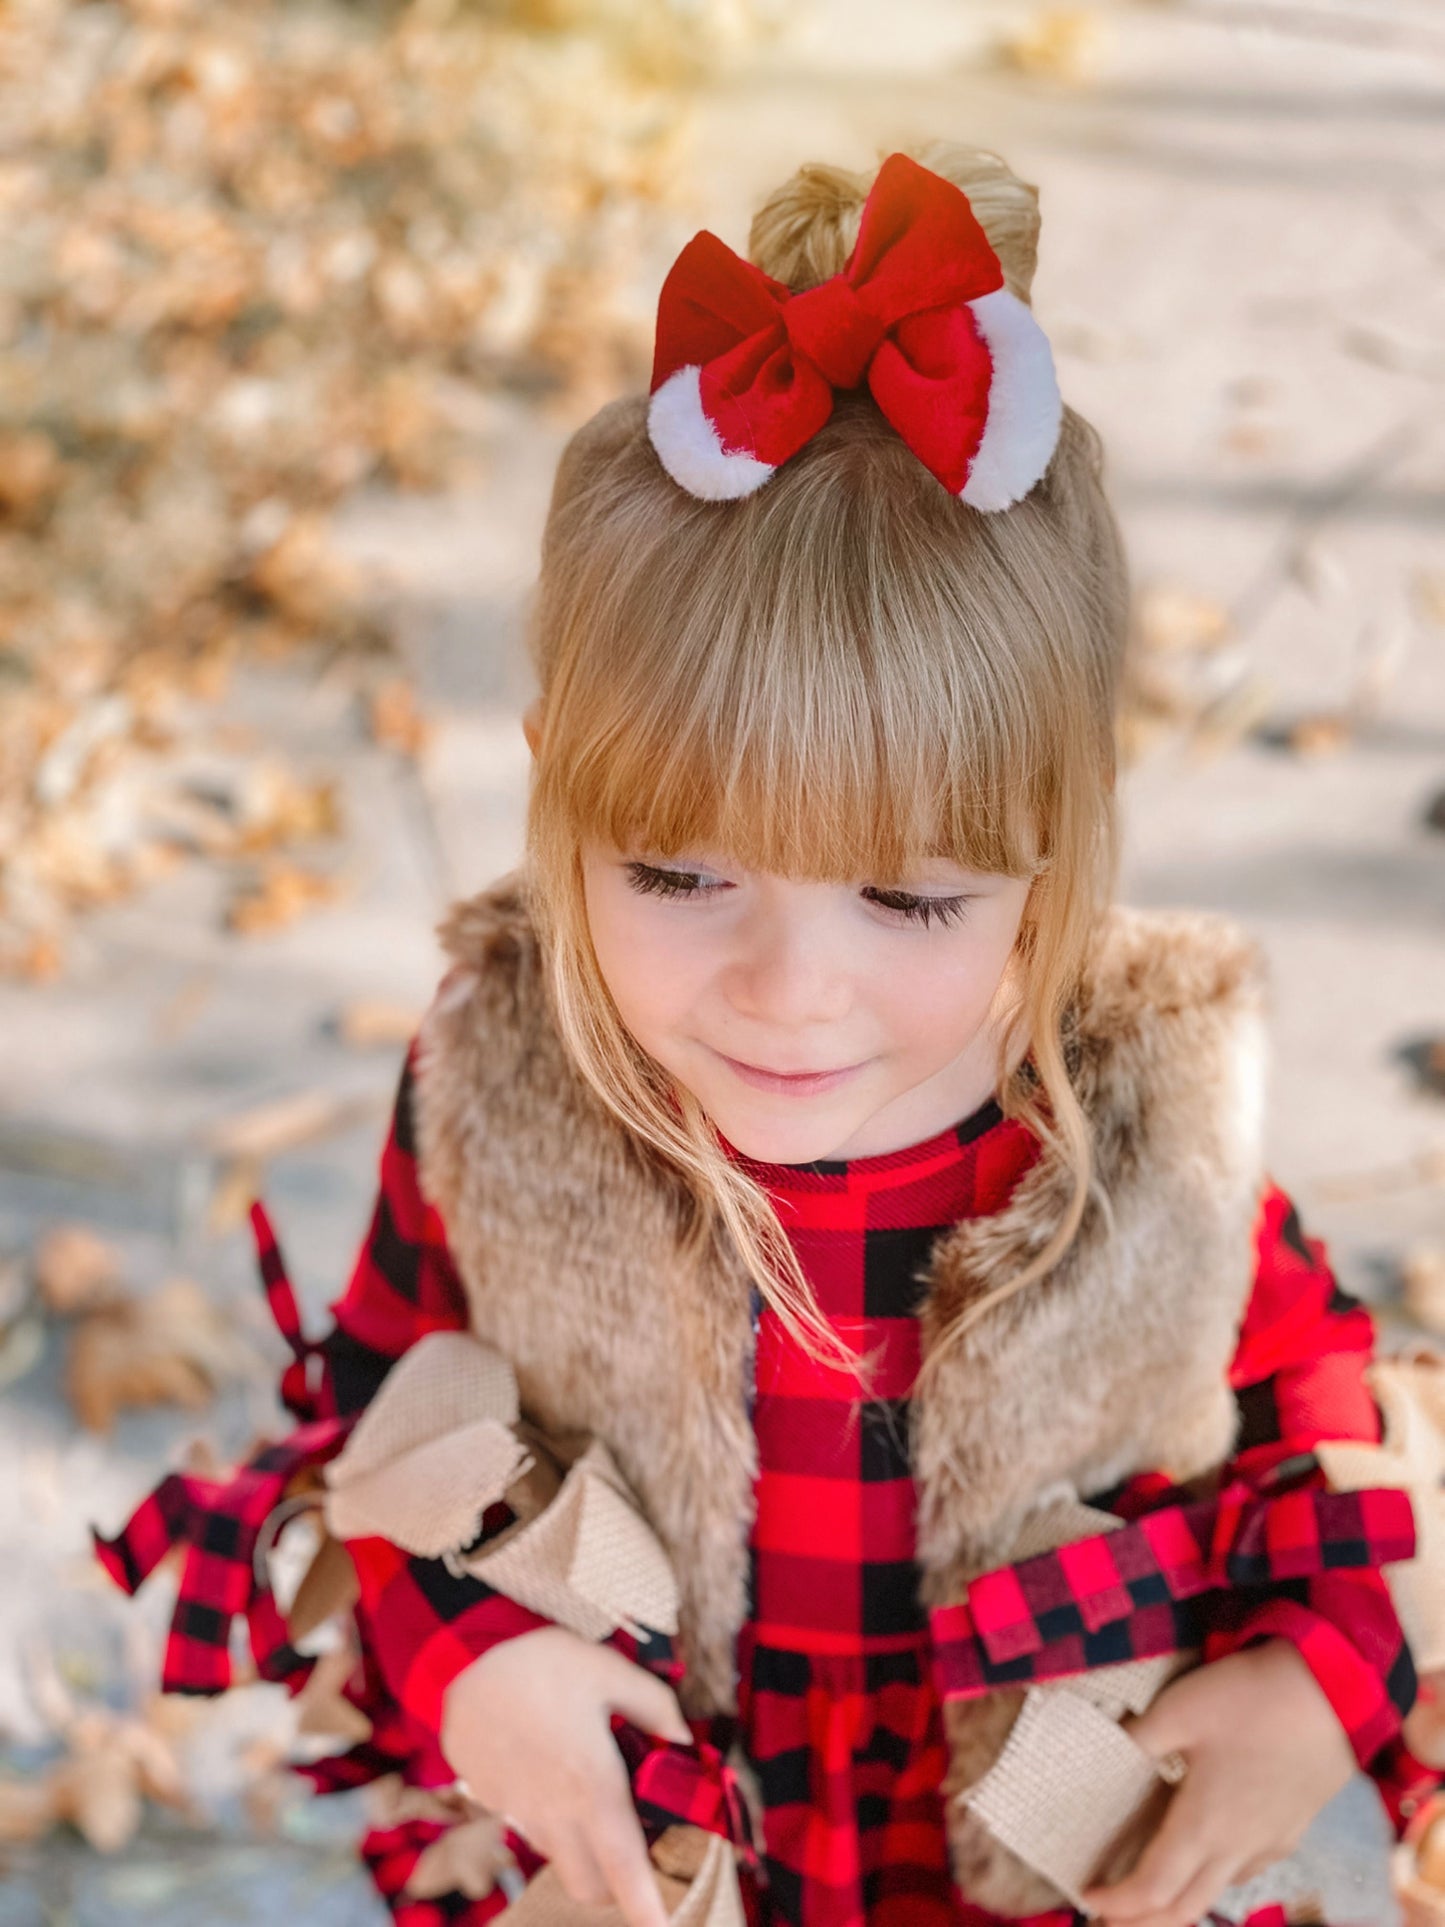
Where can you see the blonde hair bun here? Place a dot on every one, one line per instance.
(805, 230)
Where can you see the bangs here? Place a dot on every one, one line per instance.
(803, 728)
(835, 785)
(838, 678)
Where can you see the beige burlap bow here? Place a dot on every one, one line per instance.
(1409, 1389)
(444, 1439)
(1070, 1780)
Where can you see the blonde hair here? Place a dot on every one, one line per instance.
(831, 678)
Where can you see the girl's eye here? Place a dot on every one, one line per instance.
(651, 880)
(647, 878)
(922, 910)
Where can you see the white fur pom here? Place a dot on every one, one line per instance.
(1024, 404)
(690, 448)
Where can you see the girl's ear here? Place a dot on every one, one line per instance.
(532, 723)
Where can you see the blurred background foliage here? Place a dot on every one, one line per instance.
(256, 257)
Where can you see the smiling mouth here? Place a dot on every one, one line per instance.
(796, 1081)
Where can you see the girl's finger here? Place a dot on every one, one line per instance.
(621, 1852)
(577, 1868)
(643, 1698)
(1165, 1725)
(1171, 1860)
(1217, 1873)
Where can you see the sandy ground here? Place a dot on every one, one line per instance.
(1244, 228)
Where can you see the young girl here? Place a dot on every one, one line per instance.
(859, 1221)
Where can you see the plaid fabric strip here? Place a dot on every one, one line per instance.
(300, 1390)
(1042, 1610)
(692, 1786)
(220, 1523)
(1299, 1376)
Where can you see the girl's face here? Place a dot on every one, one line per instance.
(737, 982)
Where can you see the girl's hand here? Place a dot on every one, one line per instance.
(1265, 1752)
(527, 1727)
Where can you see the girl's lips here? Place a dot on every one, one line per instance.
(801, 1085)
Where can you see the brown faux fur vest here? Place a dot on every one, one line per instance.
(565, 1236)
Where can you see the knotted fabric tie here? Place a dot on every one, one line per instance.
(1410, 1393)
(1072, 1795)
(1122, 1595)
(222, 1523)
(744, 370)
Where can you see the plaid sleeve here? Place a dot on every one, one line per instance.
(1298, 1375)
(403, 1284)
(422, 1623)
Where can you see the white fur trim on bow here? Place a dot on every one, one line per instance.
(690, 448)
(1025, 408)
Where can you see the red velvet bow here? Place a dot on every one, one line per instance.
(744, 370)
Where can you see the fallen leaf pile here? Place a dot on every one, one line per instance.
(113, 1764)
(256, 257)
(171, 1347)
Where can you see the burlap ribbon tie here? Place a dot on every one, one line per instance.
(1070, 1782)
(1410, 1392)
(444, 1440)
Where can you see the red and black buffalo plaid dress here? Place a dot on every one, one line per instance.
(839, 1713)
(840, 1669)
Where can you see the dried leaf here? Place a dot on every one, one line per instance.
(303, 576)
(395, 720)
(1324, 734)
(30, 472)
(1429, 593)
(1424, 1729)
(1059, 43)
(238, 1183)
(323, 1711)
(284, 892)
(76, 1271)
(367, 1022)
(1230, 718)
(1422, 1274)
(170, 1348)
(1171, 620)
(266, 1130)
(28, 1809)
(392, 1803)
(99, 1792)
(467, 1858)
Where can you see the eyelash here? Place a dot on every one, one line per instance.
(651, 881)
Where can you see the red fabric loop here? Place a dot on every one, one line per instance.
(830, 325)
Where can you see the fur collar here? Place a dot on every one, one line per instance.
(565, 1234)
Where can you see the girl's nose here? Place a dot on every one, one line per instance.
(789, 970)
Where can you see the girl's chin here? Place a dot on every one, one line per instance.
(782, 1140)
